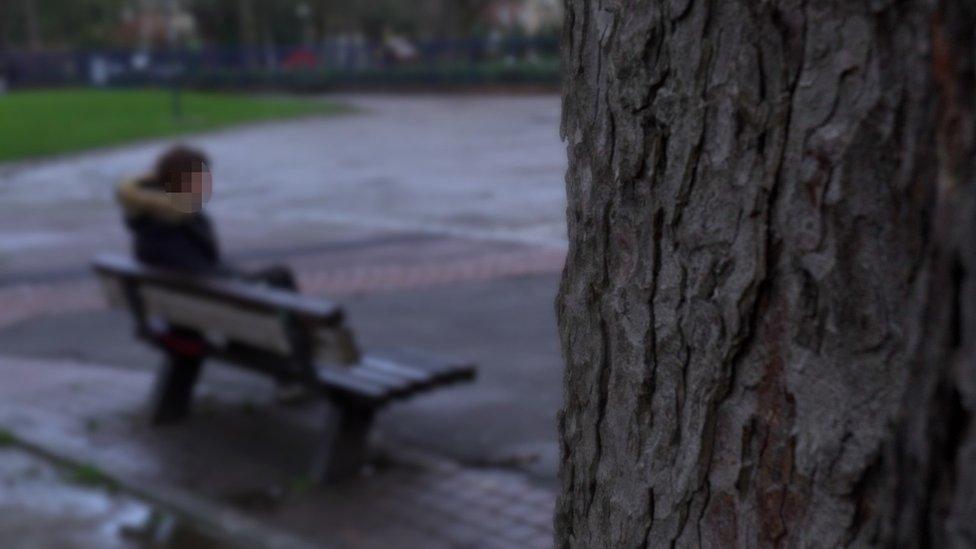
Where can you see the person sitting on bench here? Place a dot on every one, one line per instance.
(164, 213)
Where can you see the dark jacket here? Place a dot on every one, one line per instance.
(164, 236)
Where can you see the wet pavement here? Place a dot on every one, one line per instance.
(44, 505)
(41, 505)
(240, 454)
(483, 168)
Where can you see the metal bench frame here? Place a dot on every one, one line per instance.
(354, 386)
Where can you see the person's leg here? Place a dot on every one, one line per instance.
(173, 391)
(281, 277)
(276, 276)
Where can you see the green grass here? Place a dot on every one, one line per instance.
(88, 475)
(37, 123)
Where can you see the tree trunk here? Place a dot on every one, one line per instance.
(767, 312)
(245, 31)
(32, 26)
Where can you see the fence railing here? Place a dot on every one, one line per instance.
(350, 60)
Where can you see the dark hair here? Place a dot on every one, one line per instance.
(175, 163)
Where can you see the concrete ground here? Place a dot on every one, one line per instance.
(239, 467)
(45, 504)
(437, 221)
(42, 506)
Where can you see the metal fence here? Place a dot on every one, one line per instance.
(340, 61)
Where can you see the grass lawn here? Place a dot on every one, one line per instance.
(36, 123)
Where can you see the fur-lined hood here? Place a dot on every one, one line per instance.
(144, 196)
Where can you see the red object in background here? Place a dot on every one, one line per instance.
(300, 59)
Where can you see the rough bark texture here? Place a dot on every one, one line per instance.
(768, 312)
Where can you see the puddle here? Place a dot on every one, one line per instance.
(164, 530)
(45, 505)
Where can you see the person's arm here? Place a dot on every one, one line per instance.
(137, 198)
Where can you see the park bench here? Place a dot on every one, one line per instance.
(285, 335)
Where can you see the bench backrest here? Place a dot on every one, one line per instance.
(226, 310)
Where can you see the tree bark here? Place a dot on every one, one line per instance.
(768, 312)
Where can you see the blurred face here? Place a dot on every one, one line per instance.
(194, 191)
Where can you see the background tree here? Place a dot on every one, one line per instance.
(59, 24)
(69, 24)
(223, 22)
(768, 307)
(32, 26)
(462, 18)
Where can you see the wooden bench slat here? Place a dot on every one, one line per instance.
(243, 293)
(391, 381)
(392, 387)
(458, 372)
(386, 365)
(441, 370)
(261, 329)
(343, 381)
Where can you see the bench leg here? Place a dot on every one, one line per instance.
(173, 391)
(343, 445)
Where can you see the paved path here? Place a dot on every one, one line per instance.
(242, 453)
(477, 167)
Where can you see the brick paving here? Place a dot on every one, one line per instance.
(230, 455)
(318, 274)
